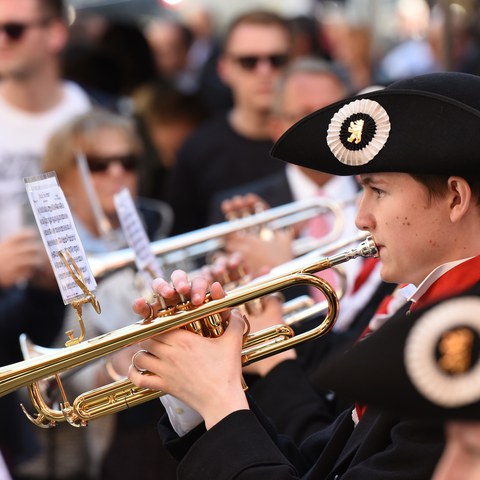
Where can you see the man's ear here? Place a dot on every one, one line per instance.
(58, 36)
(460, 197)
(223, 70)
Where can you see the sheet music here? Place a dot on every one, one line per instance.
(135, 233)
(58, 232)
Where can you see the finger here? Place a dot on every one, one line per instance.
(163, 288)
(255, 203)
(226, 207)
(235, 260)
(217, 291)
(220, 271)
(199, 290)
(142, 380)
(144, 361)
(236, 327)
(141, 307)
(181, 282)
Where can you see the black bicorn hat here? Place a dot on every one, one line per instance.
(427, 124)
(426, 364)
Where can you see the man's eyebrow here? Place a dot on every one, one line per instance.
(365, 180)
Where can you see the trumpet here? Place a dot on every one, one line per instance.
(204, 319)
(204, 241)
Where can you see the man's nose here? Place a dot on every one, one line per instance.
(363, 219)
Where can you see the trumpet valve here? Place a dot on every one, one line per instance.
(196, 326)
(164, 311)
(214, 325)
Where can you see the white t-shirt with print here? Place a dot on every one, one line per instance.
(23, 138)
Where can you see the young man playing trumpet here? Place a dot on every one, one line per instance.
(413, 146)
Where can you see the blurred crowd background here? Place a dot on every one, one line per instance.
(157, 59)
(151, 66)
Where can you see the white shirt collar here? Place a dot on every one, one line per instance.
(338, 187)
(433, 277)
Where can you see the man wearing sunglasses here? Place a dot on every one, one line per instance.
(233, 148)
(34, 101)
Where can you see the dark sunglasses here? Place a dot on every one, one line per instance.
(250, 62)
(101, 164)
(15, 30)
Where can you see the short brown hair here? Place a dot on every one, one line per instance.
(256, 17)
(54, 8)
(436, 185)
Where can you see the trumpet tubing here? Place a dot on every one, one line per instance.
(179, 248)
(120, 395)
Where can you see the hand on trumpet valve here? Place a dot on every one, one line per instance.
(241, 205)
(225, 268)
(257, 255)
(180, 289)
(191, 367)
(255, 245)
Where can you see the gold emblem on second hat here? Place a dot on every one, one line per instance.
(455, 348)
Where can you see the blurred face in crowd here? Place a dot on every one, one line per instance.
(113, 165)
(461, 457)
(398, 211)
(253, 59)
(29, 35)
(168, 46)
(302, 94)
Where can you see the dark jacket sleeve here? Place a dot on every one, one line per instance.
(36, 312)
(242, 446)
(287, 398)
(39, 314)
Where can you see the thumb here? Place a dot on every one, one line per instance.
(236, 327)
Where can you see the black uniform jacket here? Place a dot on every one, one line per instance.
(383, 446)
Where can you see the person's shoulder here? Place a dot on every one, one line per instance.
(75, 94)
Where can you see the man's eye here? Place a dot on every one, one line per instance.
(379, 193)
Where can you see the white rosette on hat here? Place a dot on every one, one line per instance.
(358, 131)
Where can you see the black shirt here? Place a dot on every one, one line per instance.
(214, 158)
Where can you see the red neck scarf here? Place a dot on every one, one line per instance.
(456, 280)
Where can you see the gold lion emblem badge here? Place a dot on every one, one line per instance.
(356, 129)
